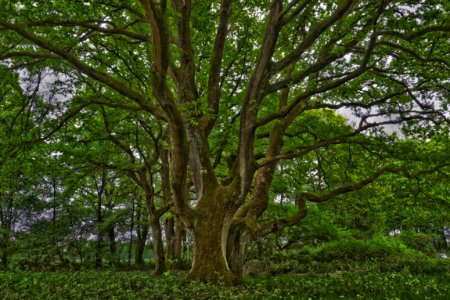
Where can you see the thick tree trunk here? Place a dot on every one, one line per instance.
(210, 263)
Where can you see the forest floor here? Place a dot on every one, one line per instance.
(368, 284)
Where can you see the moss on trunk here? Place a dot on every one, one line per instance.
(210, 237)
(210, 264)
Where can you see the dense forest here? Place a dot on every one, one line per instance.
(216, 141)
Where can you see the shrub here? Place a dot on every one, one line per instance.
(342, 249)
(418, 241)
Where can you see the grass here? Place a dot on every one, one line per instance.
(142, 285)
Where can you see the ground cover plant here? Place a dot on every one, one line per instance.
(367, 284)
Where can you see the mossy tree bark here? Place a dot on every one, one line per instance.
(210, 263)
(210, 236)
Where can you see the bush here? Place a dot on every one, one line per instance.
(418, 241)
(342, 249)
(379, 247)
(382, 247)
(381, 253)
(416, 265)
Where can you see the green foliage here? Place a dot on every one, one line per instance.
(97, 152)
(139, 285)
(418, 241)
(381, 253)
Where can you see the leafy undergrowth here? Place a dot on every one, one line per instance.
(142, 285)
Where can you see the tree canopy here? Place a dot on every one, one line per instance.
(216, 109)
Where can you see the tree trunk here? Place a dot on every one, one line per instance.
(6, 217)
(112, 240)
(139, 252)
(170, 239)
(113, 257)
(4, 239)
(130, 244)
(210, 263)
(158, 247)
(178, 246)
(79, 249)
(4, 260)
(174, 242)
(237, 251)
(140, 244)
(98, 251)
(4, 251)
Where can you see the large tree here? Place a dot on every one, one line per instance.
(232, 81)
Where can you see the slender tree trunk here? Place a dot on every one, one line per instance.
(112, 240)
(173, 261)
(4, 249)
(140, 244)
(170, 238)
(100, 231)
(54, 200)
(3, 243)
(114, 259)
(178, 246)
(4, 259)
(158, 247)
(6, 217)
(139, 252)
(145, 180)
(98, 251)
(130, 244)
(79, 249)
(174, 243)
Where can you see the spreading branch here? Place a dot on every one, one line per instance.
(84, 68)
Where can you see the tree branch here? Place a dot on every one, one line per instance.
(410, 36)
(362, 183)
(216, 63)
(312, 35)
(89, 24)
(86, 69)
(333, 141)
